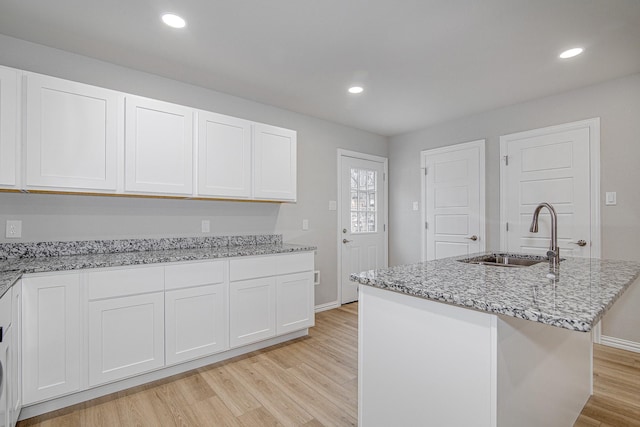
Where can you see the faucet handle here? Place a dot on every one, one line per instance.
(551, 254)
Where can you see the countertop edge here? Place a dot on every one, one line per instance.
(579, 324)
(8, 278)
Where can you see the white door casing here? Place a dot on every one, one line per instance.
(363, 213)
(453, 200)
(559, 165)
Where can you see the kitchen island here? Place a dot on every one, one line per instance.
(453, 343)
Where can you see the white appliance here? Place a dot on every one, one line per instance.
(5, 357)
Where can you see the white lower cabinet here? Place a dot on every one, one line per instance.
(94, 327)
(252, 307)
(126, 322)
(196, 316)
(270, 295)
(50, 336)
(126, 337)
(295, 302)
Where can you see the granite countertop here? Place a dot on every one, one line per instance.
(12, 269)
(582, 292)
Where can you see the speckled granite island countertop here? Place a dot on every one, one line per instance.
(63, 256)
(584, 291)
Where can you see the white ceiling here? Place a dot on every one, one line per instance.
(421, 61)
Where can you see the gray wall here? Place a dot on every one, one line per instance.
(55, 217)
(616, 102)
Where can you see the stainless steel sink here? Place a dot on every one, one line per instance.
(506, 260)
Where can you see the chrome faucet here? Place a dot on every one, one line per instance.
(554, 250)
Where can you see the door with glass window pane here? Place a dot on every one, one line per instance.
(362, 227)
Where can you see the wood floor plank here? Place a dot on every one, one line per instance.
(323, 410)
(238, 399)
(311, 381)
(281, 406)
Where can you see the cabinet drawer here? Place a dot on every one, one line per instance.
(5, 309)
(122, 282)
(294, 263)
(193, 274)
(249, 268)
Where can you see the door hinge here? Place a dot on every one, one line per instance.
(384, 227)
(506, 160)
(425, 170)
(507, 225)
(384, 176)
(426, 225)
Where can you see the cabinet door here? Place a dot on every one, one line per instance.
(274, 153)
(50, 336)
(224, 156)
(196, 322)
(126, 337)
(252, 307)
(158, 147)
(295, 307)
(71, 135)
(8, 126)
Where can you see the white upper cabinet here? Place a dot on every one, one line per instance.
(59, 135)
(158, 147)
(8, 126)
(71, 135)
(274, 151)
(224, 156)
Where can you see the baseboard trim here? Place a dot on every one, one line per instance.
(327, 306)
(620, 343)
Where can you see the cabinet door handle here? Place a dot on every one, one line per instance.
(580, 243)
(346, 241)
(474, 238)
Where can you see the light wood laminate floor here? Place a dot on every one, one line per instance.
(311, 381)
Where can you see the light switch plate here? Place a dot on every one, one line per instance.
(206, 226)
(14, 229)
(610, 198)
(332, 205)
(416, 206)
(305, 224)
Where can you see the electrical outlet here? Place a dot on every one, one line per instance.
(416, 206)
(332, 205)
(206, 226)
(14, 230)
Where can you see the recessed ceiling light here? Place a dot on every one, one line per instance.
(356, 89)
(571, 53)
(173, 20)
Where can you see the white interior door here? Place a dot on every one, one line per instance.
(550, 165)
(453, 203)
(363, 241)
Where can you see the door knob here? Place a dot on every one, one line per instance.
(580, 243)
(345, 241)
(474, 238)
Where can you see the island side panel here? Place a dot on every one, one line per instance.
(424, 363)
(545, 373)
